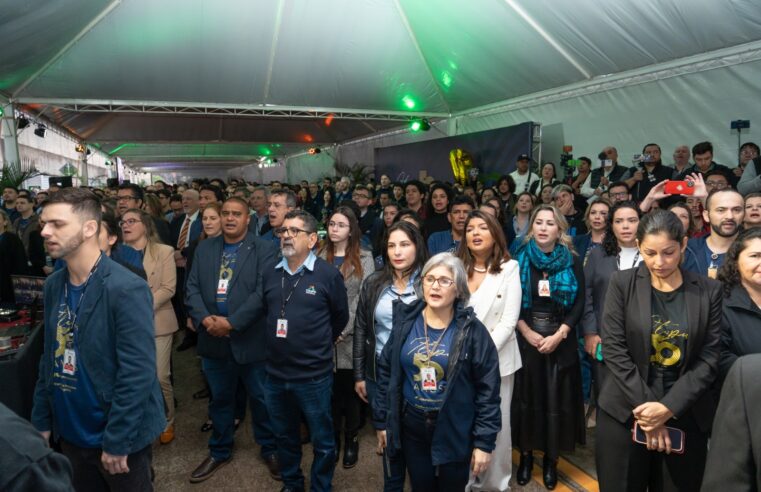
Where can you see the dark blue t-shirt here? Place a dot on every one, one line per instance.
(226, 272)
(79, 416)
(414, 357)
(338, 261)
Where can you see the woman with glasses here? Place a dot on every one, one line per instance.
(158, 262)
(548, 410)
(404, 254)
(660, 330)
(494, 283)
(438, 383)
(342, 249)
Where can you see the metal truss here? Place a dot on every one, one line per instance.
(221, 110)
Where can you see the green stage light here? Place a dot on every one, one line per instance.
(419, 125)
(408, 102)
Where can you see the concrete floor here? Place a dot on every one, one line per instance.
(174, 462)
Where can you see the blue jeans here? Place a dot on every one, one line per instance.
(223, 376)
(393, 468)
(286, 401)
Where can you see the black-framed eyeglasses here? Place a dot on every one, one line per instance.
(291, 231)
(125, 198)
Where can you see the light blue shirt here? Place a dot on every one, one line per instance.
(384, 310)
(308, 264)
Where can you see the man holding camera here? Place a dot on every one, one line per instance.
(648, 171)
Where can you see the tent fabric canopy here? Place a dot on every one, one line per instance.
(378, 59)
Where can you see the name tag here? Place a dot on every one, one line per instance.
(712, 272)
(69, 362)
(428, 374)
(222, 286)
(282, 328)
(544, 288)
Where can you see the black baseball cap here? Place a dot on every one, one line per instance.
(523, 157)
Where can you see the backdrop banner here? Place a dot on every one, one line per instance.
(494, 153)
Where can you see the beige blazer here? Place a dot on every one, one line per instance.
(159, 266)
(497, 304)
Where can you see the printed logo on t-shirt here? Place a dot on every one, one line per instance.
(311, 290)
(668, 341)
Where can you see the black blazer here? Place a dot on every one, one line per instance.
(734, 458)
(597, 273)
(626, 348)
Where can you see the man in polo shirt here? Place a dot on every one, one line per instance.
(443, 241)
(307, 309)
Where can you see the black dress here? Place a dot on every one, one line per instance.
(547, 411)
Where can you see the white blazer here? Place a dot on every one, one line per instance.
(497, 304)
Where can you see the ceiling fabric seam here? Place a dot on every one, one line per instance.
(419, 51)
(725, 57)
(275, 38)
(547, 37)
(89, 27)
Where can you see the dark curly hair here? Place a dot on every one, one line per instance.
(609, 241)
(729, 272)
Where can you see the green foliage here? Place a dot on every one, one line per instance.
(357, 172)
(14, 174)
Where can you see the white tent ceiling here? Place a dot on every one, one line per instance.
(166, 77)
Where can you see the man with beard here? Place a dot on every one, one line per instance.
(724, 211)
(307, 309)
(647, 174)
(224, 301)
(97, 390)
(442, 241)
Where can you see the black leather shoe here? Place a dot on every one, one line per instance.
(524, 468)
(351, 451)
(206, 469)
(550, 473)
(273, 466)
(207, 426)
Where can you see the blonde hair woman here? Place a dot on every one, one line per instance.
(158, 262)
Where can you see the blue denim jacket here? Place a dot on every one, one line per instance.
(118, 350)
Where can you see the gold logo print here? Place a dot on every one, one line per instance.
(666, 354)
(421, 361)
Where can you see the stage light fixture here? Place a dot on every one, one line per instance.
(40, 130)
(314, 150)
(2, 111)
(79, 148)
(23, 122)
(419, 125)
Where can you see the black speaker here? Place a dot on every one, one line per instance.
(112, 182)
(60, 181)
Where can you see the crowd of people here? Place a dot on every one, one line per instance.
(460, 320)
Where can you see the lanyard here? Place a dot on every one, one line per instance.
(428, 350)
(73, 316)
(282, 291)
(634, 263)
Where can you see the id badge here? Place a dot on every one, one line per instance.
(712, 271)
(222, 286)
(69, 362)
(544, 288)
(282, 328)
(428, 375)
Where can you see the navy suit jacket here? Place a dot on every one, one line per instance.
(245, 302)
(118, 350)
(194, 233)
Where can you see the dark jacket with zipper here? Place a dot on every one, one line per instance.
(469, 416)
(740, 329)
(364, 327)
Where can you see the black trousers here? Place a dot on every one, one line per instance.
(346, 403)
(623, 465)
(417, 437)
(90, 476)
